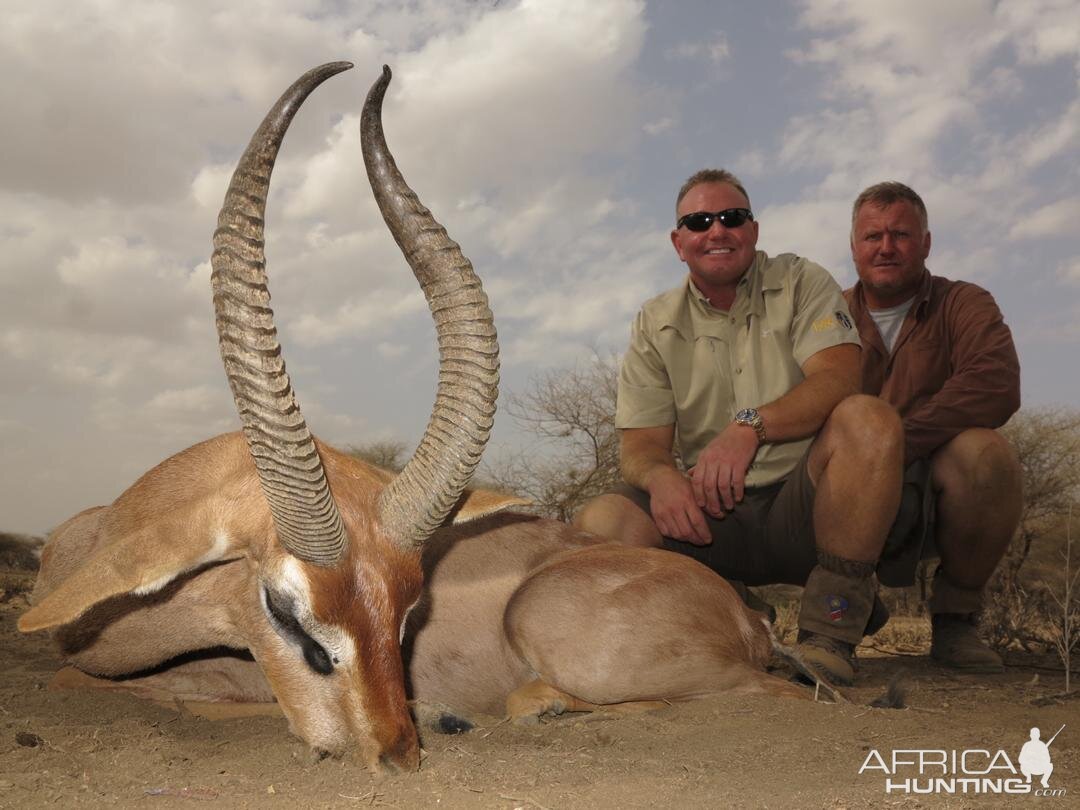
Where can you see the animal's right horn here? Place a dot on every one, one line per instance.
(290, 470)
(421, 497)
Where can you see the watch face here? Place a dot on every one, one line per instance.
(745, 415)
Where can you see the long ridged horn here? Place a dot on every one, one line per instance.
(290, 470)
(421, 497)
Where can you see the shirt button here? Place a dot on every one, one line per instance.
(738, 371)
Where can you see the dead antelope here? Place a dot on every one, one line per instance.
(326, 568)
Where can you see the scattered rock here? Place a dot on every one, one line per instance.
(28, 739)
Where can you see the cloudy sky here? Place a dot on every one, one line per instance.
(549, 137)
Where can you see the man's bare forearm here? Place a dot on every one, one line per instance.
(831, 375)
(645, 453)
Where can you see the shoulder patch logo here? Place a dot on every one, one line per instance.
(824, 324)
(836, 606)
(843, 320)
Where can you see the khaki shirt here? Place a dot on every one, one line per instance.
(695, 366)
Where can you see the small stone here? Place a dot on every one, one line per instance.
(28, 739)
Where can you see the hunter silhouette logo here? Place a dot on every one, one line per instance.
(1035, 757)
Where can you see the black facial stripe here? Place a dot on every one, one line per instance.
(290, 629)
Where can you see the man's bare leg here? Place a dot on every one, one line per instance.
(856, 465)
(619, 520)
(977, 482)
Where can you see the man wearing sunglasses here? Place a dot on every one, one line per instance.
(751, 368)
(940, 352)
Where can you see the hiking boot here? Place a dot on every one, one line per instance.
(832, 658)
(955, 643)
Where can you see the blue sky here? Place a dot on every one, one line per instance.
(549, 137)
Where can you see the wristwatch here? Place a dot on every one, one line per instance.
(751, 418)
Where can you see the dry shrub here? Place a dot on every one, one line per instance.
(576, 455)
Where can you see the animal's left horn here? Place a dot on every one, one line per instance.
(421, 497)
(290, 470)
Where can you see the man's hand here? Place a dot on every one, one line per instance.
(719, 476)
(674, 511)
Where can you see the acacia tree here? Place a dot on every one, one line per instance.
(1047, 440)
(1022, 610)
(388, 454)
(1066, 636)
(571, 412)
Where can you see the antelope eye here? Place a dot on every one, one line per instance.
(285, 623)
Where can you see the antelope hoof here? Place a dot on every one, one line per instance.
(527, 704)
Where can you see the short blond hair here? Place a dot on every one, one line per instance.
(710, 176)
(887, 193)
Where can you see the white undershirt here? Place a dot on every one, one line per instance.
(890, 320)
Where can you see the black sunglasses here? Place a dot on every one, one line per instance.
(703, 220)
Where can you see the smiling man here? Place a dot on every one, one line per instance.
(940, 352)
(750, 368)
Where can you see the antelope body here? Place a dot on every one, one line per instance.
(345, 582)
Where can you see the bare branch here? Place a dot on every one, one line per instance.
(572, 413)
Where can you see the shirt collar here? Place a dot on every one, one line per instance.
(918, 306)
(747, 291)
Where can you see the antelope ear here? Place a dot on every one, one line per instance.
(137, 562)
(478, 503)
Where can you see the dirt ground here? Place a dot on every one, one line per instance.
(76, 748)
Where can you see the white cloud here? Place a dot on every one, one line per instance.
(1069, 270)
(1051, 139)
(1058, 218)
(659, 125)
(810, 229)
(714, 48)
(1044, 29)
(373, 313)
(198, 400)
(208, 187)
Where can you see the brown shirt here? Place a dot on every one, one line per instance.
(953, 366)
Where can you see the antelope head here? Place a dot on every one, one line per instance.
(341, 567)
(332, 545)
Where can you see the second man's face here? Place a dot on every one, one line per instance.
(889, 246)
(718, 257)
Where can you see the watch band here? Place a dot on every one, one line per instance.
(751, 418)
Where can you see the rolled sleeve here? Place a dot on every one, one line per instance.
(822, 318)
(645, 398)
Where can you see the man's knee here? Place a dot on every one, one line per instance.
(867, 421)
(977, 459)
(861, 426)
(619, 520)
(594, 515)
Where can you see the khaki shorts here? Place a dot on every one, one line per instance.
(769, 537)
